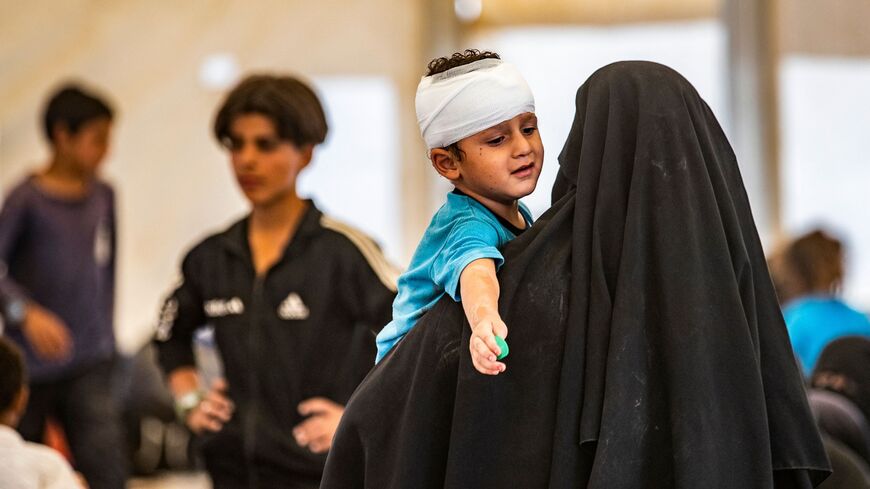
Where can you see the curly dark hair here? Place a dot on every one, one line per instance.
(442, 64)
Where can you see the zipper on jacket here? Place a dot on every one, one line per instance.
(254, 340)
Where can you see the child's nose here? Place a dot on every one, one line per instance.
(522, 146)
(248, 154)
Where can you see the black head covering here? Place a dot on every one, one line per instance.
(647, 346)
(844, 367)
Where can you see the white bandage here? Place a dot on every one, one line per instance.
(465, 100)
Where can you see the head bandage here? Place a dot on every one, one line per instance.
(465, 100)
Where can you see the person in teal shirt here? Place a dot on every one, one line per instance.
(815, 321)
(476, 114)
(808, 275)
(461, 232)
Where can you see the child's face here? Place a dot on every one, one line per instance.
(265, 166)
(501, 163)
(87, 148)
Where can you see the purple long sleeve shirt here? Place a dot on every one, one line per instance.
(60, 253)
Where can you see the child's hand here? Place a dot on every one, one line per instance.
(484, 350)
(48, 334)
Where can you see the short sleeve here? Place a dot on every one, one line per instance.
(468, 241)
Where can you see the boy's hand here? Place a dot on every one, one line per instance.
(318, 430)
(484, 350)
(213, 411)
(47, 334)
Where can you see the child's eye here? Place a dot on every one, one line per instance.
(495, 141)
(266, 145)
(231, 144)
(529, 130)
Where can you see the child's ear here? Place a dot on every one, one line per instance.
(60, 135)
(307, 152)
(445, 164)
(19, 403)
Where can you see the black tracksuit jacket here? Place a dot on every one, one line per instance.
(304, 329)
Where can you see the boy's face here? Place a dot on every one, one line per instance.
(266, 167)
(501, 163)
(87, 148)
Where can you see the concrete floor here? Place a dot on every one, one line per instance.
(172, 480)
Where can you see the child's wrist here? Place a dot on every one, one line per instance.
(483, 313)
(485, 320)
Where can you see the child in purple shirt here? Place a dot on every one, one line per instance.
(57, 286)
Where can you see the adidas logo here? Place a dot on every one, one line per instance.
(216, 308)
(292, 308)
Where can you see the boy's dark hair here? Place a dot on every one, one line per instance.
(440, 65)
(12, 374)
(291, 105)
(72, 106)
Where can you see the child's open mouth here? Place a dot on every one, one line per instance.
(524, 171)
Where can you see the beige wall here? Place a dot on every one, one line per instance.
(516, 12)
(829, 28)
(173, 183)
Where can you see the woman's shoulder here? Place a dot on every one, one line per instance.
(812, 309)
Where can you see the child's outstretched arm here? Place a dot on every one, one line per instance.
(479, 290)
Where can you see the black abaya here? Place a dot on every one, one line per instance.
(647, 346)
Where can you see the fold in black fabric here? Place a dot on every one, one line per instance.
(647, 346)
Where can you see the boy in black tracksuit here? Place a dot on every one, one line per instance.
(295, 333)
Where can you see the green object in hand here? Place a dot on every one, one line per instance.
(502, 344)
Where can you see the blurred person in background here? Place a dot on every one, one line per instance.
(808, 275)
(57, 286)
(843, 370)
(23, 464)
(294, 299)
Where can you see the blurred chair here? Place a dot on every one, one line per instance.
(840, 419)
(850, 472)
(155, 439)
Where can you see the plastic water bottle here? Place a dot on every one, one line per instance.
(208, 358)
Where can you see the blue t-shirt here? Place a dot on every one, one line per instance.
(815, 321)
(462, 230)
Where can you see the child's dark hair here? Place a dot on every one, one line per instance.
(12, 374)
(440, 65)
(288, 102)
(72, 107)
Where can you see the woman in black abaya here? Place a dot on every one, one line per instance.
(647, 346)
